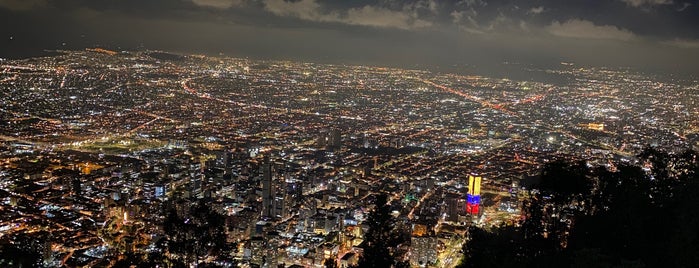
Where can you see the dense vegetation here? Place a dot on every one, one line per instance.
(642, 215)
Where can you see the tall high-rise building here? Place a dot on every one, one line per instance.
(473, 197)
(331, 140)
(267, 188)
(76, 186)
(423, 246)
(227, 162)
(423, 250)
(453, 206)
(335, 139)
(257, 251)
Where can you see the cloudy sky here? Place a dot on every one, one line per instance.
(654, 34)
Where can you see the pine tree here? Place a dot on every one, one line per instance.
(382, 238)
(197, 234)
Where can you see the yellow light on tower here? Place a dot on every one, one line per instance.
(477, 186)
(470, 184)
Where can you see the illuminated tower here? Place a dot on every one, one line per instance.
(473, 197)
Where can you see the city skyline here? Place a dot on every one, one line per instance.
(148, 157)
(656, 35)
(352, 134)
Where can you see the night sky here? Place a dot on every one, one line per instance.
(651, 34)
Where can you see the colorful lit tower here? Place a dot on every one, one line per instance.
(473, 198)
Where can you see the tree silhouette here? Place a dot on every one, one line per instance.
(18, 256)
(501, 248)
(198, 233)
(330, 263)
(649, 218)
(634, 216)
(382, 238)
(565, 181)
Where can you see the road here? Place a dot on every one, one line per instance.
(451, 256)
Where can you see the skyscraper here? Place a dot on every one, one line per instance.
(267, 192)
(473, 197)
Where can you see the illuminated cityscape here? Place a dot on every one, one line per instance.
(97, 145)
(310, 133)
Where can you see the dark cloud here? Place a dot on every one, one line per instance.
(21, 5)
(659, 33)
(587, 30)
(222, 4)
(640, 3)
